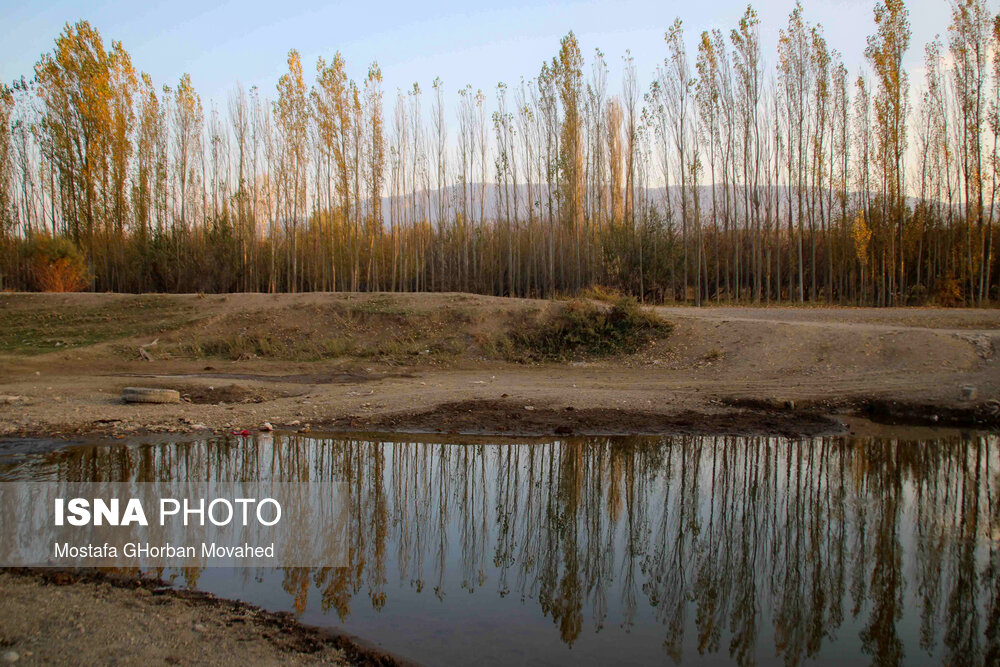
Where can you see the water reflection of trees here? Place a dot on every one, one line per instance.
(739, 541)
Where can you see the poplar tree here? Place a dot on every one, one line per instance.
(571, 186)
(885, 52)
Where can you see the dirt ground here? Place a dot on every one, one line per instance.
(424, 363)
(57, 618)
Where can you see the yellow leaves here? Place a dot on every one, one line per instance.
(290, 109)
(675, 32)
(188, 111)
(862, 236)
(187, 101)
(885, 51)
(87, 97)
(291, 87)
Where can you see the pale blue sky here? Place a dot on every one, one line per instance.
(462, 42)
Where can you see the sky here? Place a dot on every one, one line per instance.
(478, 43)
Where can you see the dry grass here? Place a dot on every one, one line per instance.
(394, 328)
(581, 330)
(375, 328)
(27, 329)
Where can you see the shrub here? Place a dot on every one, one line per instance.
(949, 293)
(583, 329)
(916, 295)
(57, 265)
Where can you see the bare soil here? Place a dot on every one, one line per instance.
(56, 617)
(427, 362)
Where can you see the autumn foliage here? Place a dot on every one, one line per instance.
(744, 172)
(57, 265)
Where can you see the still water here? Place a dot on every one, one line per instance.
(620, 551)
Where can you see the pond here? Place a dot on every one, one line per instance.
(619, 550)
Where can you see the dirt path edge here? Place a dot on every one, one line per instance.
(299, 636)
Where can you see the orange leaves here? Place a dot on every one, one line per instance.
(60, 275)
(57, 265)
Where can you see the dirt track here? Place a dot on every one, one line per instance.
(721, 369)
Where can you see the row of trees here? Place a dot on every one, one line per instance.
(722, 180)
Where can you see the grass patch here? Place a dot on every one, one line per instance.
(379, 330)
(241, 347)
(380, 304)
(34, 328)
(601, 293)
(715, 354)
(382, 327)
(583, 330)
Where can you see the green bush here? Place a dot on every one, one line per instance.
(583, 329)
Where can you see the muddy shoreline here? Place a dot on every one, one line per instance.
(497, 418)
(505, 418)
(755, 417)
(281, 629)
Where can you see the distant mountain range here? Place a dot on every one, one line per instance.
(453, 197)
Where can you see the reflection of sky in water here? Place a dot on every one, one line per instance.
(623, 550)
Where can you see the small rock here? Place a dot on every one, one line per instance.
(10, 657)
(266, 427)
(529, 407)
(968, 392)
(294, 422)
(199, 627)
